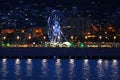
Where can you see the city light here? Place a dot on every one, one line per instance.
(100, 37)
(4, 37)
(8, 44)
(18, 37)
(114, 37)
(82, 45)
(29, 37)
(86, 37)
(27, 30)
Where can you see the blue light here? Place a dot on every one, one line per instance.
(55, 23)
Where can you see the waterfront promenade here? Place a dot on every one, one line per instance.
(42, 52)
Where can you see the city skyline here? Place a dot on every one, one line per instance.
(34, 13)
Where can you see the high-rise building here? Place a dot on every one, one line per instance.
(77, 25)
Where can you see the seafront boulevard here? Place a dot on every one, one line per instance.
(92, 53)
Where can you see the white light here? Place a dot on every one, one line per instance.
(4, 60)
(26, 19)
(44, 60)
(71, 37)
(44, 37)
(100, 61)
(86, 37)
(114, 37)
(86, 60)
(29, 61)
(29, 37)
(114, 60)
(72, 61)
(18, 37)
(100, 37)
(34, 43)
(17, 61)
(58, 61)
(4, 37)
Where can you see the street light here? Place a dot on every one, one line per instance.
(71, 37)
(4, 37)
(59, 38)
(44, 37)
(29, 37)
(100, 37)
(86, 38)
(114, 38)
(18, 37)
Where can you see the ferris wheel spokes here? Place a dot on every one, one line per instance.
(55, 22)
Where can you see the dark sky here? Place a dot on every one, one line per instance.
(102, 4)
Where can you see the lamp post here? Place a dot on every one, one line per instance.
(114, 39)
(71, 38)
(29, 40)
(100, 37)
(4, 37)
(59, 38)
(29, 37)
(18, 37)
(86, 38)
(44, 38)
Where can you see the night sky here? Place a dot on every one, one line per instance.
(102, 4)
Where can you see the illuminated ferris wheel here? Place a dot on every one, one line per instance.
(55, 22)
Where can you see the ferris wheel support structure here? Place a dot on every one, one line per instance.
(55, 23)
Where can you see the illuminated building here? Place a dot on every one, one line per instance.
(77, 25)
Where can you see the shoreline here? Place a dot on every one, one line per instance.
(91, 53)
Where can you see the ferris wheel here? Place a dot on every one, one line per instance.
(55, 22)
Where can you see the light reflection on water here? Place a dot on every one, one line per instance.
(17, 69)
(106, 64)
(44, 69)
(114, 71)
(85, 70)
(4, 69)
(71, 69)
(100, 69)
(29, 67)
(58, 69)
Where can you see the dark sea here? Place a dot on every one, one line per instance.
(59, 69)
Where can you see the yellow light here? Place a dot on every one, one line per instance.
(88, 33)
(36, 31)
(105, 32)
(86, 37)
(114, 37)
(89, 36)
(110, 28)
(23, 31)
(29, 37)
(93, 36)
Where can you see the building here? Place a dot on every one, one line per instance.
(77, 26)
